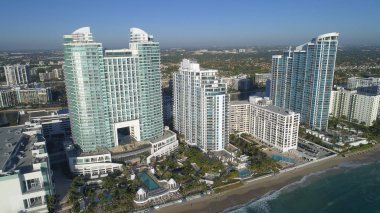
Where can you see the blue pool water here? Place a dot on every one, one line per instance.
(147, 181)
(282, 158)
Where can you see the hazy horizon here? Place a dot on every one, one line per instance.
(30, 25)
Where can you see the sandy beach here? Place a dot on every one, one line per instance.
(254, 190)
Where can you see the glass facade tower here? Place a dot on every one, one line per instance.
(302, 79)
(85, 87)
(149, 80)
(113, 89)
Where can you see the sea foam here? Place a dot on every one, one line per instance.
(262, 204)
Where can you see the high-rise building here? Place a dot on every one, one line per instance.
(115, 92)
(133, 87)
(121, 74)
(240, 116)
(17, 74)
(355, 107)
(17, 96)
(200, 110)
(86, 90)
(302, 79)
(272, 125)
(149, 80)
(8, 98)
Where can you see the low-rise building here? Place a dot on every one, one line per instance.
(164, 145)
(25, 176)
(51, 122)
(261, 78)
(91, 164)
(239, 82)
(100, 162)
(352, 142)
(357, 82)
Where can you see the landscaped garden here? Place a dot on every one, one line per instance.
(114, 193)
(259, 162)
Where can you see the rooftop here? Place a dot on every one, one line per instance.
(328, 35)
(130, 147)
(82, 30)
(166, 134)
(42, 115)
(276, 109)
(25, 157)
(239, 102)
(19, 150)
(33, 114)
(139, 35)
(9, 138)
(74, 152)
(118, 53)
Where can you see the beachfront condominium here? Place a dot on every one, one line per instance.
(302, 79)
(17, 74)
(272, 125)
(133, 87)
(149, 81)
(112, 90)
(200, 109)
(86, 90)
(355, 107)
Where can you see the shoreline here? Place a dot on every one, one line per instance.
(253, 190)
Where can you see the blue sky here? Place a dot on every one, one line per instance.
(40, 24)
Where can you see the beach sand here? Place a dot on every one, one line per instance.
(256, 189)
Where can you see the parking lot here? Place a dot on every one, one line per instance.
(313, 150)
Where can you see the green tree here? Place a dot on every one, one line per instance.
(51, 202)
(108, 183)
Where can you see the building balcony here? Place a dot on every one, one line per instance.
(34, 189)
(37, 203)
(37, 206)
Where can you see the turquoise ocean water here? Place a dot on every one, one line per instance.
(347, 188)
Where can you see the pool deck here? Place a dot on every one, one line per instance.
(148, 181)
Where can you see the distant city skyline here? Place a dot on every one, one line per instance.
(28, 25)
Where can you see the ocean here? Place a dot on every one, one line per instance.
(348, 188)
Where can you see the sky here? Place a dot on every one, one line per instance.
(41, 24)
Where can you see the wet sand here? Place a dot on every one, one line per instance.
(253, 190)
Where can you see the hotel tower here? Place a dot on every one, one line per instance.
(112, 89)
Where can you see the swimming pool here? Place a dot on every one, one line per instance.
(147, 181)
(282, 158)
